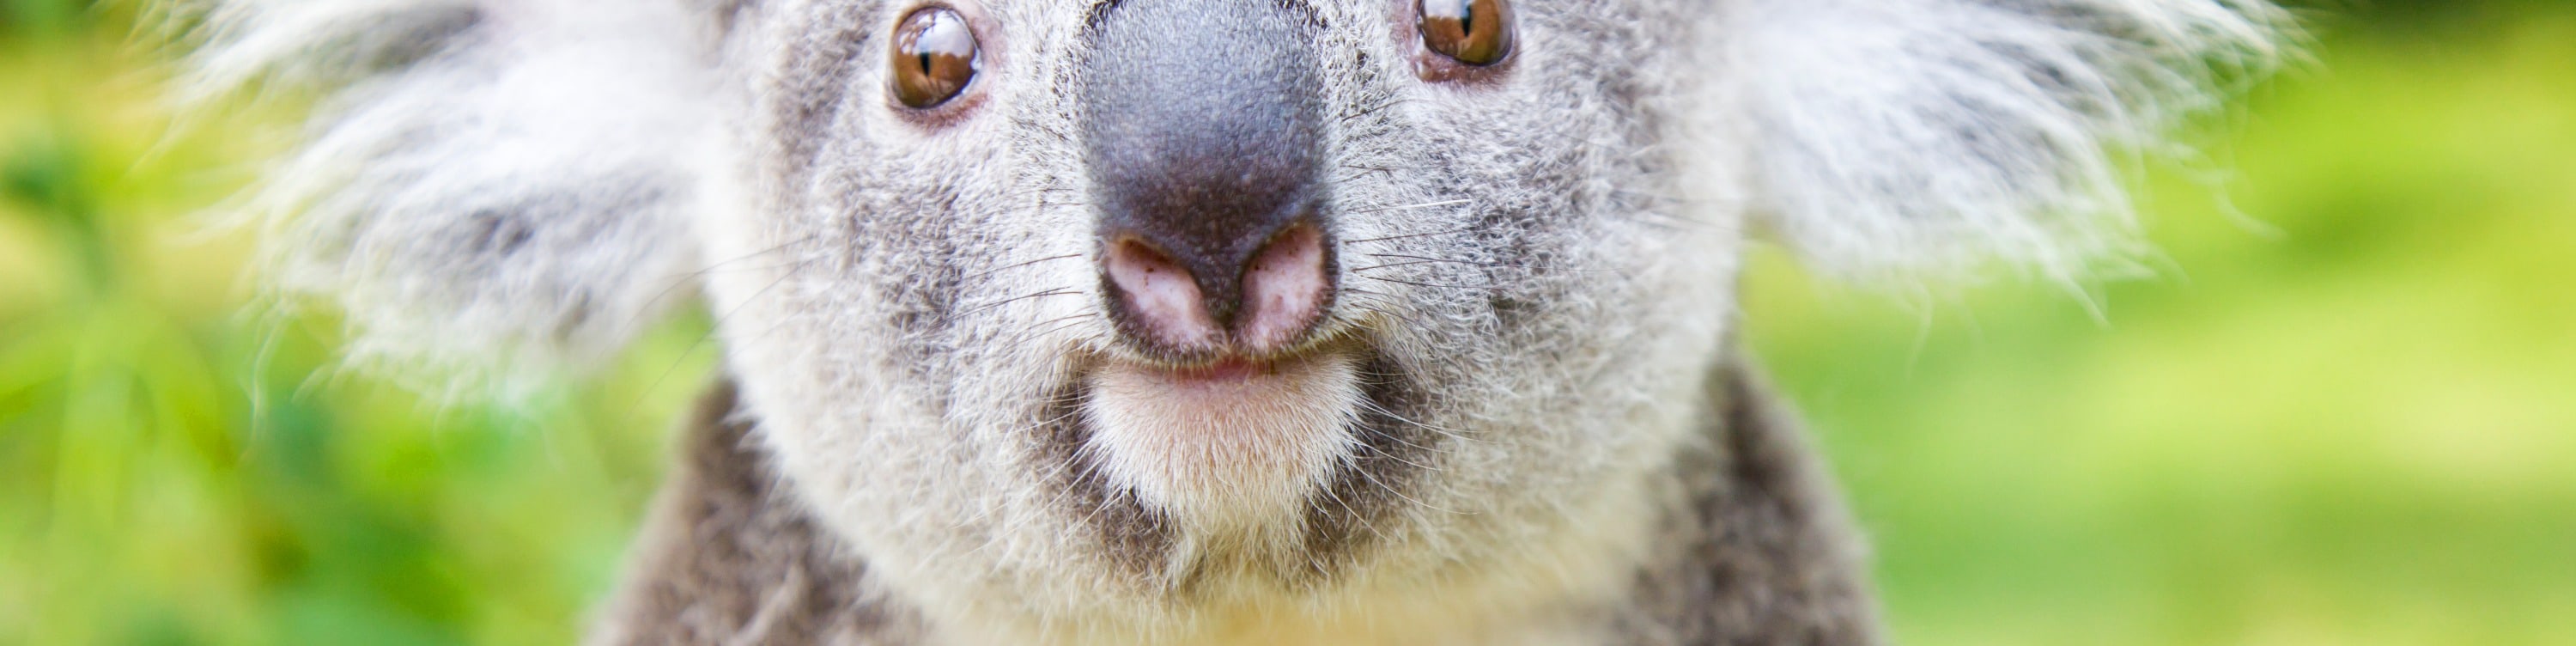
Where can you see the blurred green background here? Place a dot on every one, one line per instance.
(2344, 412)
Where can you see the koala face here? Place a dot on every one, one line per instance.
(1180, 305)
(1157, 317)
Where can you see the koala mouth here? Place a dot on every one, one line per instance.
(1300, 451)
(1233, 443)
(1233, 369)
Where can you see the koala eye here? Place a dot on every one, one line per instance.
(1476, 32)
(934, 57)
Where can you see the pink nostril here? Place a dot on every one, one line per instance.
(1284, 289)
(1160, 295)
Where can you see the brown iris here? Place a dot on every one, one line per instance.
(934, 57)
(1476, 32)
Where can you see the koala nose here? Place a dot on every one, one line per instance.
(1201, 137)
(1281, 290)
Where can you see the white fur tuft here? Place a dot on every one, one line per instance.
(1898, 135)
(490, 181)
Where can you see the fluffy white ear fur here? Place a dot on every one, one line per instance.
(1891, 137)
(494, 188)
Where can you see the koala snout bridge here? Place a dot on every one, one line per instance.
(1203, 136)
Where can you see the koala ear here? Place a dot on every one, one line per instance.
(489, 186)
(1895, 136)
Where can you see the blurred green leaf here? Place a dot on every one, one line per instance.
(43, 17)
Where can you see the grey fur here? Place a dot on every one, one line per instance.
(1538, 263)
(731, 558)
(727, 558)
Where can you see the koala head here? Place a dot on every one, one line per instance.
(1128, 314)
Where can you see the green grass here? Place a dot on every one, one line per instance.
(2343, 416)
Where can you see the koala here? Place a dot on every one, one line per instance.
(1204, 321)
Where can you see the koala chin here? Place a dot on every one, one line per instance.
(1204, 321)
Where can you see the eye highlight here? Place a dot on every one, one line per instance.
(1475, 32)
(935, 56)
